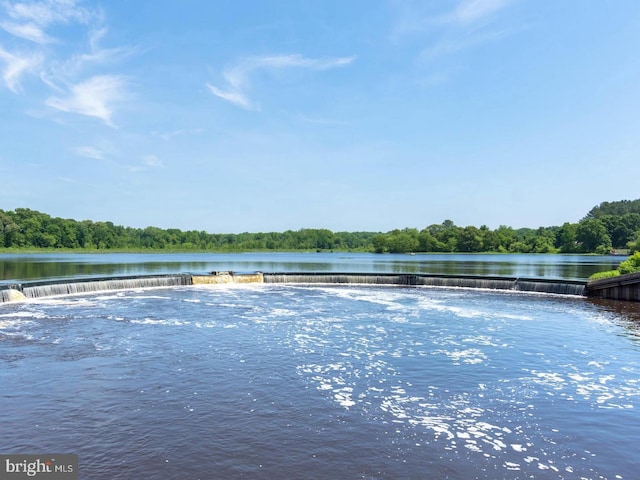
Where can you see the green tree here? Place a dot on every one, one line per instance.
(614, 208)
(428, 243)
(102, 235)
(630, 265)
(469, 240)
(380, 244)
(593, 237)
(490, 240)
(403, 241)
(634, 244)
(506, 237)
(566, 238)
(448, 234)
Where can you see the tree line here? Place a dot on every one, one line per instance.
(610, 225)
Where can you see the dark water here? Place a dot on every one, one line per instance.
(37, 266)
(320, 382)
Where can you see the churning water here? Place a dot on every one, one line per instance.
(322, 382)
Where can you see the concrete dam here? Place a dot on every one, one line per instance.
(624, 287)
(48, 288)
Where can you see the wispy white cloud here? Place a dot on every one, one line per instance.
(28, 31)
(76, 88)
(456, 43)
(147, 162)
(17, 65)
(30, 19)
(152, 161)
(418, 19)
(59, 74)
(89, 152)
(240, 99)
(95, 97)
(82, 183)
(238, 77)
(320, 121)
(474, 11)
(96, 54)
(177, 133)
(440, 34)
(47, 12)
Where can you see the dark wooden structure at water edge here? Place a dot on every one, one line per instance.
(622, 287)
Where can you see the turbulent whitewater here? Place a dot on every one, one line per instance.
(318, 381)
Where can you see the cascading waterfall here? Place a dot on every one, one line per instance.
(354, 278)
(57, 287)
(60, 287)
(557, 287)
(562, 287)
(8, 294)
(466, 282)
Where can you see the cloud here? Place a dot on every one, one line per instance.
(152, 161)
(236, 97)
(96, 55)
(148, 161)
(89, 152)
(474, 11)
(94, 97)
(176, 133)
(418, 19)
(47, 12)
(27, 31)
(320, 121)
(15, 66)
(75, 88)
(454, 44)
(30, 19)
(445, 33)
(238, 77)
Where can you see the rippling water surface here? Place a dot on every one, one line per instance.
(323, 382)
(24, 267)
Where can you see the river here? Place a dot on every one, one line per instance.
(321, 381)
(48, 266)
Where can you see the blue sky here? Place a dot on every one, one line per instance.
(358, 115)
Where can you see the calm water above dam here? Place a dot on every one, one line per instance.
(38, 266)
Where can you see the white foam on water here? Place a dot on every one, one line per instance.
(71, 301)
(112, 296)
(470, 356)
(282, 312)
(14, 324)
(357, 370)
(512, 466)
(23, 314)
(357, 362)
(151, 321)
(137, 295)
(389, 298)
(18, 335)
(602, 390)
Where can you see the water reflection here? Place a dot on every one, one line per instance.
(625, 314)
(40, 266)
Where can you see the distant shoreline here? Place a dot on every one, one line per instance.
(37, 251)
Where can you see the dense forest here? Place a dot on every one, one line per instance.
(608, 226)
